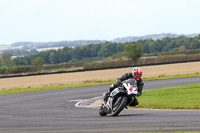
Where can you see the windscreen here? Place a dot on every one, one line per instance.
(131, 81)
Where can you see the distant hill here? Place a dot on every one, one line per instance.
(28, 47)
(36, 45)
(153, 37)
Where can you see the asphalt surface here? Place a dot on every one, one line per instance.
(54, 111)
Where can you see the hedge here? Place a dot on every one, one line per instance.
(15, 69)
(143, 61)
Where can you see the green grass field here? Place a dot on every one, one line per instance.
(179, 97)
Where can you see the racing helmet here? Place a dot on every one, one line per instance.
(137, 73)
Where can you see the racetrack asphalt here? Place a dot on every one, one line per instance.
(54, 111)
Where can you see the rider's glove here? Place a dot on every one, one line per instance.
(118, 81)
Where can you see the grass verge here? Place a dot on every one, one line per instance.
(92, 83)
(179, 97)
(50, 88)
(161, 77)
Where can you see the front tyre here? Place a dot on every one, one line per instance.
(119, 105)
(102, 111)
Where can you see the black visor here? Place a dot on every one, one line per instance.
(138, 75)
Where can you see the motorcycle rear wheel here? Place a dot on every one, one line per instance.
(102, 111)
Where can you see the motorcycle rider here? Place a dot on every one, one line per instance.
(136, 74)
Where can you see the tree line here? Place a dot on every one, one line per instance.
(103, 50)
(169, 44)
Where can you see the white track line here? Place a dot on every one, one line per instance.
(78, 104)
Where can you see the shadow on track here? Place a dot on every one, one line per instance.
(126, 115)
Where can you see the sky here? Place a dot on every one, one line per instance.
(68, 20)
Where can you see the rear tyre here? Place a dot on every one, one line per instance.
(119, 105)
(102, 111)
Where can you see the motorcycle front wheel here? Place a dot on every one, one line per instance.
(119, 105)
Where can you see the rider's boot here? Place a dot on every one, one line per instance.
(134, 103)
(105, 97)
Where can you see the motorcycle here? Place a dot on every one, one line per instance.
(119, 98)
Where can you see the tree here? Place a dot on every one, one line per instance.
(117, 55)
(6, 58)
(94, 49)
(64, 54)
(20, 61)
(76, 53)
(145, 48)
(104, 51)
(1, 62)
(133, 51)
(38, 63)
(193, 45)
(153, 46)
(53, 58)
